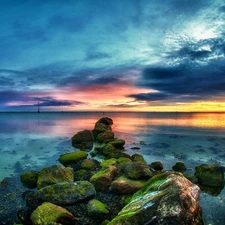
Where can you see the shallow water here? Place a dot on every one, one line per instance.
(30, 141)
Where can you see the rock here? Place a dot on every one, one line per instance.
(123, 160)
(167, 198)
(67, 193)
(210, 178)
(103, 178)
(137, 170)
(117, 154)
(108, 149)
(72, 158)
(179, 167)
(48, 213)
(29, 179)
(105, 222)
(97, 209)
(83, 140)
(109, 162)
(88, 164)
(53, 175)
(192, 178)
(102, 125)
(117, 143)
(107, 135)
(138, 158)
(123, 185)
(158, 166)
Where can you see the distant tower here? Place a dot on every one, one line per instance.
(38, 108)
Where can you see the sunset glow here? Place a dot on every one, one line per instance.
(121, 56)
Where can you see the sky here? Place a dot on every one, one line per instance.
(120, 55)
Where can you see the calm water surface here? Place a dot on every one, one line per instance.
(30, 141)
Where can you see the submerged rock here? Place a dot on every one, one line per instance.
(48, 213)
(29, 179)
(179, 167)
(83, 140)
(53, 175)
(168, 198)
(67, 193)
(72, 158)
(210, 178)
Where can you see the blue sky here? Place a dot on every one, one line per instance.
(112, 55)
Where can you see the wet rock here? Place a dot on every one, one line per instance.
(108, 149)
(158, 166)
(72, 158)
(48, 213)
(97, 209)
(117, 154)
(67, 193)
(138, 158)
(109, 162)
(137, 170)
(103, 178)
(179, 167)
(123, 185)
(29, 179)
(210, 178)
(117, 143)
(102, 125)
(53, 175)
(83, 140)
(107, 135)
(167, 198)
(88, 164)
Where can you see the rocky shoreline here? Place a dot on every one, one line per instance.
(118, 189)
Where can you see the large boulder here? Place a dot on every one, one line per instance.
(48, 213)
(83, 140)
(102, 125)
(72, 157)
(168, 198)
(104, 177)
(103, 137)
(53, 175)
(67, 193)
(123, 185)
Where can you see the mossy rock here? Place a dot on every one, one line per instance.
(104, 177)
(72, 158)
(109, 162)
(179, 167)
(117, 154)
(105, 222)
(123, 185)
(88, 164)
(123, 160)
(192, 178)
(107, 135)
(29, 179)
(83, 140)
(138, 158)
(108, 149)
(158, 166)
(67, 193)
(117, 143)
(81, 175)
(97, 209)
(48, 213)
(53, 175)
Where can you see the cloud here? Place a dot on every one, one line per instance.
(97, 55)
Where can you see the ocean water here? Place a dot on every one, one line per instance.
(30, 141)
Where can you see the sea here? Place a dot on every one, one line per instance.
(31, 141)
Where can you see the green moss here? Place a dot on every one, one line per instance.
(123, 160)
(29, 179)
(117, 143)
(72, 158)
(81, 174)
(108, 162)
(105, 222)
(96, 208)
(88, 164)
(107, 149)
(138, 158)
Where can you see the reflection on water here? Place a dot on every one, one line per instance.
(30, 141)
